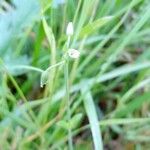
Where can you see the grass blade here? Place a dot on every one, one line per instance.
(93, 119)
(92, 27)
(121, 71)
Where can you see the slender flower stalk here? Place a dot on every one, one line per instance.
(69, 32)
(66, 73)
(69, 53)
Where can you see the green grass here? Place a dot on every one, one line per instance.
(51, 101)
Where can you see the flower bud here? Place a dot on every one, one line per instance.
(73, 53)
(69, 30)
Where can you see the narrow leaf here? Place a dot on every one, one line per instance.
(51, 40)
(95, 25)
(93, 119)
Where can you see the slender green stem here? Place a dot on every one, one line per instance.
(68, 41)
(53, 66)
(66, 74)
(27, 68)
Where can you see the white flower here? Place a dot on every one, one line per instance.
(73, 53)
(69, 30)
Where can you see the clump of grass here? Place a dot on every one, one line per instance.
(105, 91)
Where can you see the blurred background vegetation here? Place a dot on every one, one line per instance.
(109, 83)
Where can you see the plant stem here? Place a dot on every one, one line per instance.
(66, 73)
(53, 66)
(27, 68)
